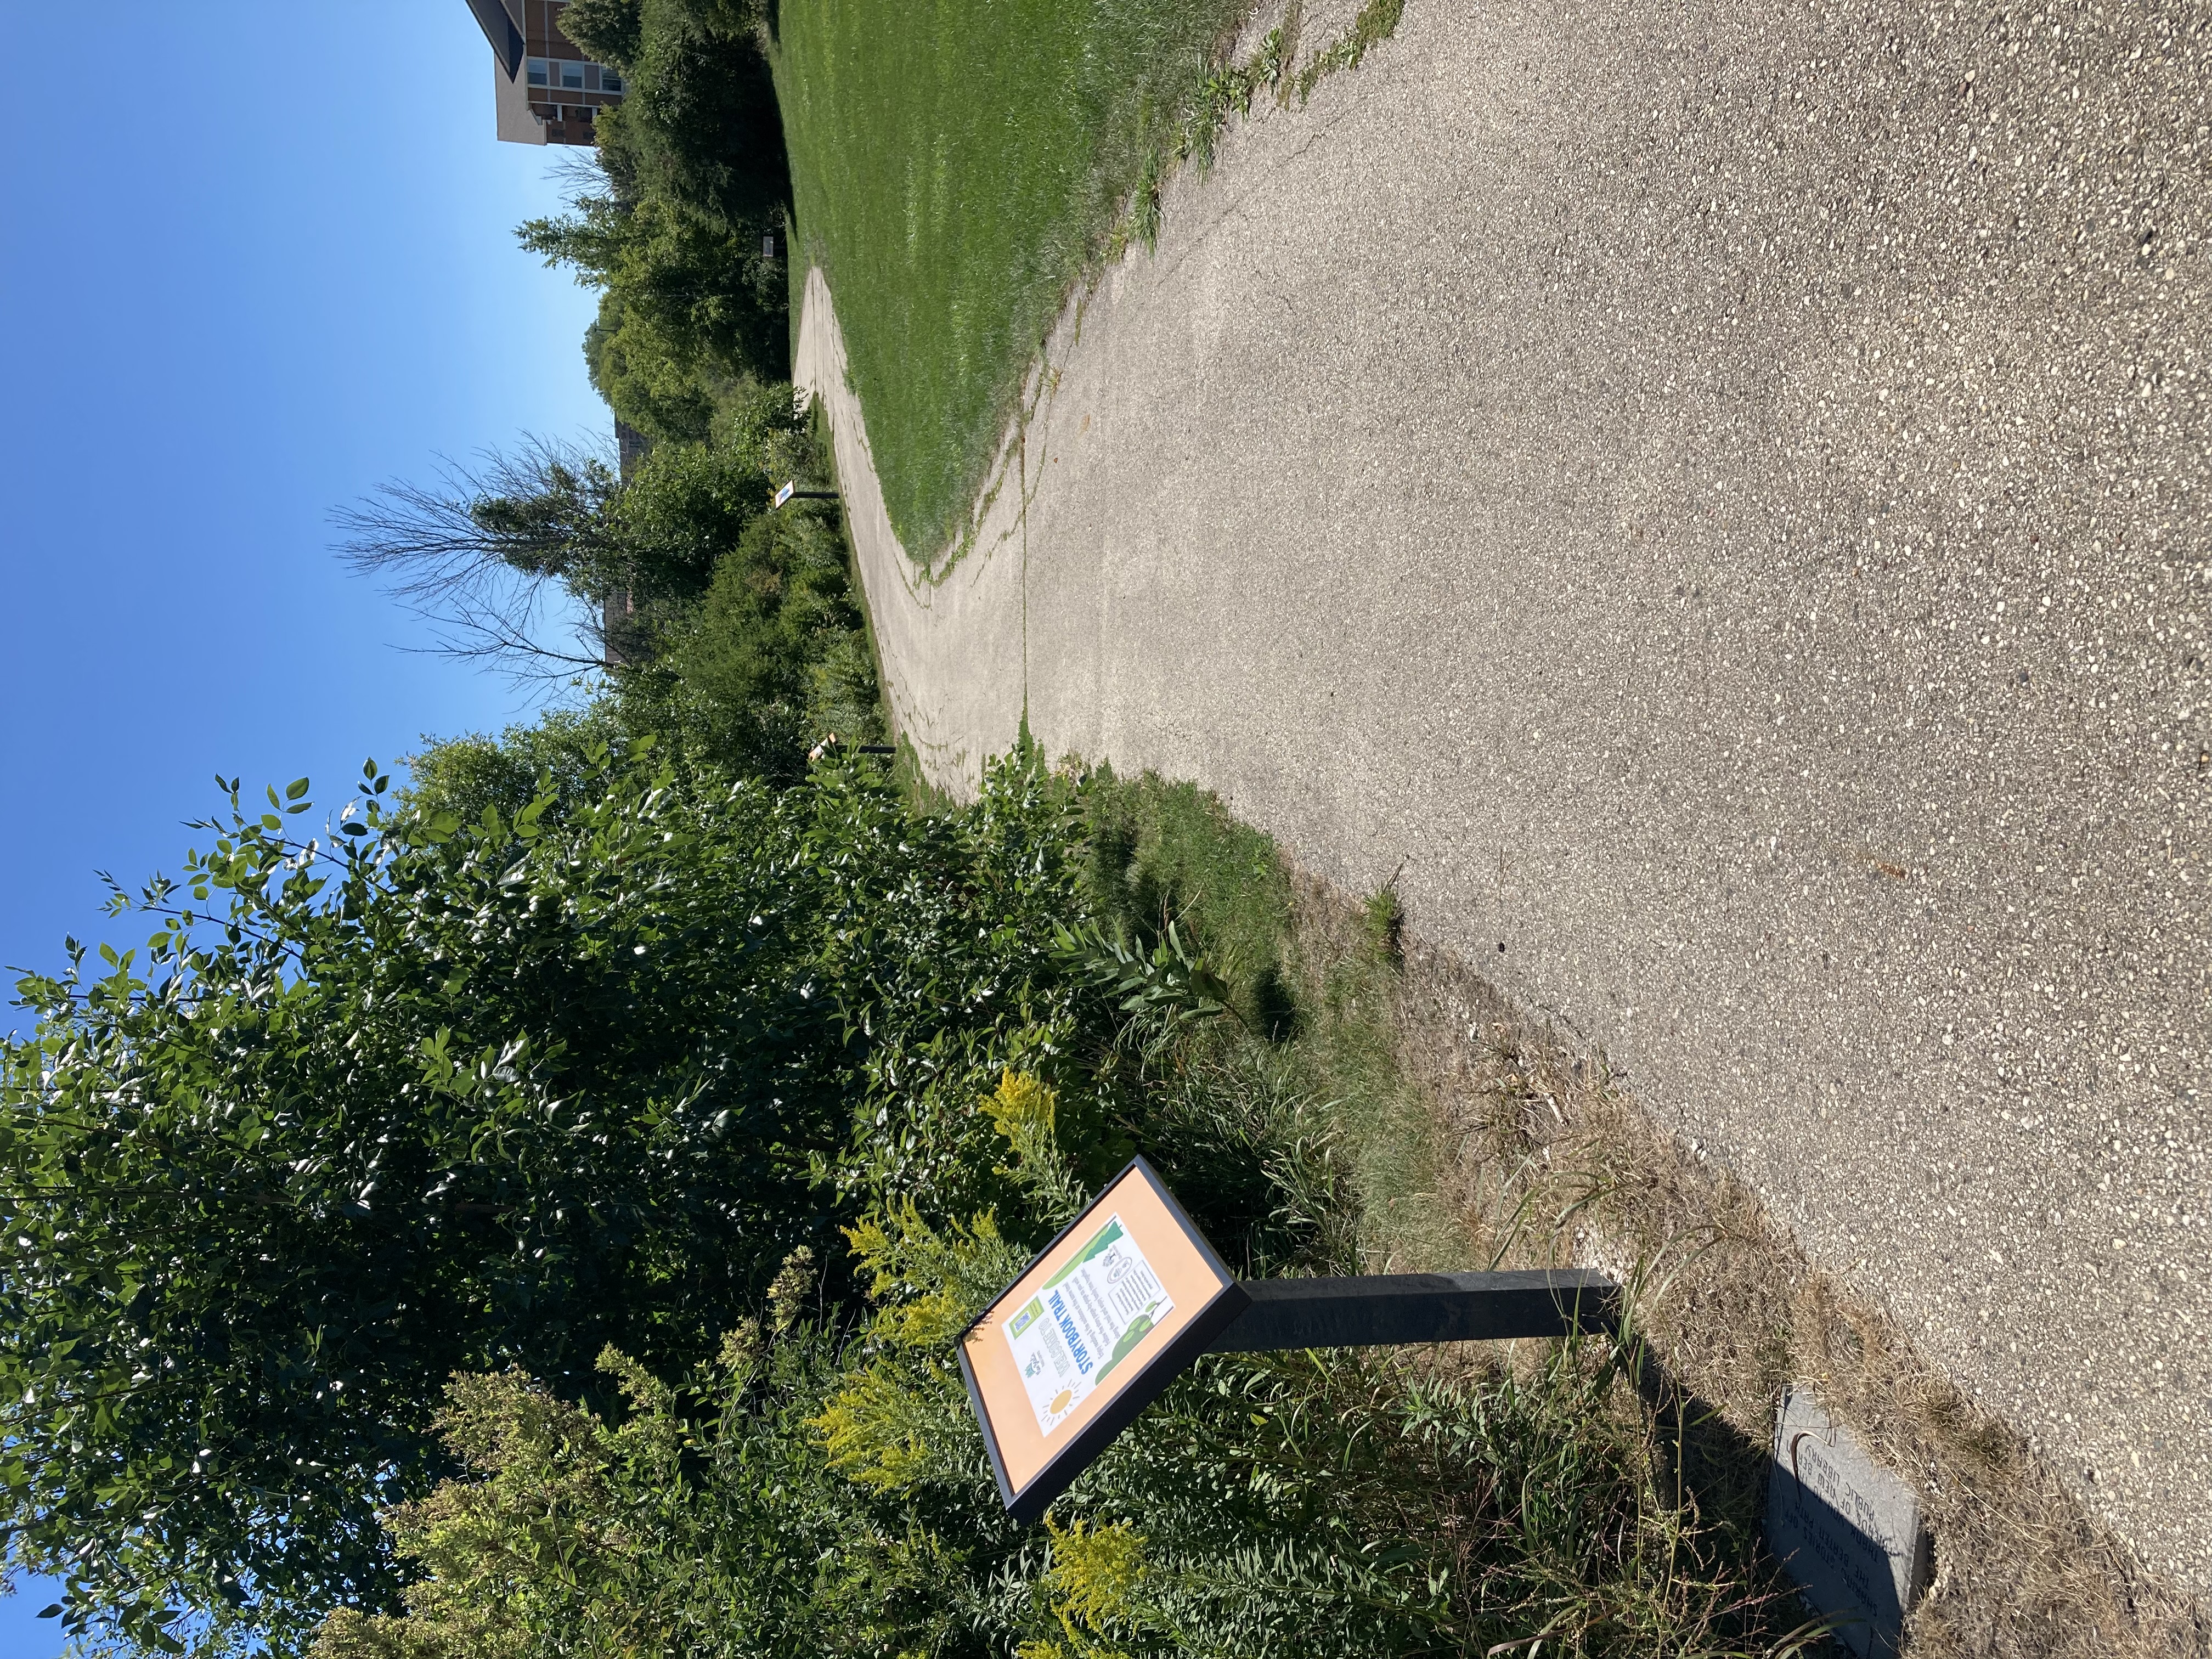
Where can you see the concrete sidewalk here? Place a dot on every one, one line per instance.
(1719, 497)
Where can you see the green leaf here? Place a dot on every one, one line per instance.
(294, 789)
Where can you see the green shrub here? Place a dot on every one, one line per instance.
(700, 1519)
(767, 635)
(450, 1095)
(824, 1490)
(463, 775)
(769, 657)
(689, 506)
(699, 128)
(695, 176)
(612, 31)
(689, 314)
(665, 392)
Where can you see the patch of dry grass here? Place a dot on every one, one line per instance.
(1545, 1162)
(1475, 1138)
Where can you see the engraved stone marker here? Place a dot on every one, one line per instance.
(1847, 1529)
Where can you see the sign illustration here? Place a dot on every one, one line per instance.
(1108, 1314)
(1085, 1321)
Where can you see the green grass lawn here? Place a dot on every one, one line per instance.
(955, 164)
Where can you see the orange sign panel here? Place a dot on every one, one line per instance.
(1105, 1318)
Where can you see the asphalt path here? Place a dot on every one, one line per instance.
(1717, 498)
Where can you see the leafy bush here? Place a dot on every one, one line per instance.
(836, 1500)
(702, 1516)
(749, 648)
(698, 128)
(612, 31)
(689, 506)
(773, 655)
(693, 178)
(435, 1095)
(689, 315)
(558, 755)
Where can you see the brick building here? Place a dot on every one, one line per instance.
(546, 89)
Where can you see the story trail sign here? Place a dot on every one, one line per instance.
(1130, 1294)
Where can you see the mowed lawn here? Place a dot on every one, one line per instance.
(955, 165)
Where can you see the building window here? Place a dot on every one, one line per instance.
(536, 71)
(591, 77)
(571, 74)
(581, 115)
(610, 82)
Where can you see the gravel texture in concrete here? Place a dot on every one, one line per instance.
(1715, 497)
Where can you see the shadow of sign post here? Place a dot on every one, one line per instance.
(1130, 1294)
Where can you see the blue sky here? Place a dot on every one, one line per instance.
(255, 265)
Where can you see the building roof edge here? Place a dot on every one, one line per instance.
(499, 25)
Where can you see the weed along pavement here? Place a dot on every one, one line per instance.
(1717, 500)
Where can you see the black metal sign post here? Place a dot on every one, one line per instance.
(1391, 1309)
(1130, 1294)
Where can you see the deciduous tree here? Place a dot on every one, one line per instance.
(426, 1095)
